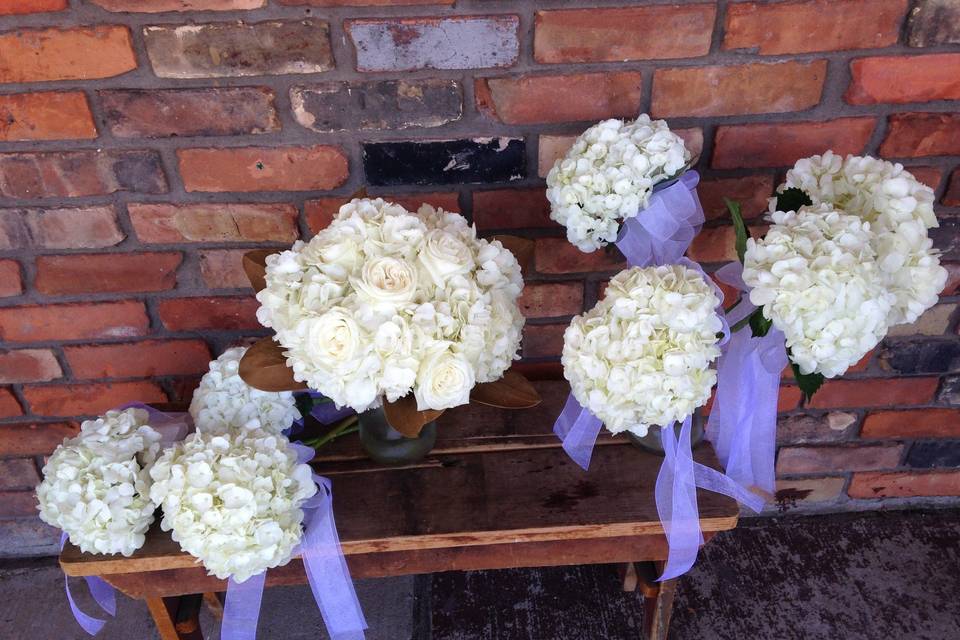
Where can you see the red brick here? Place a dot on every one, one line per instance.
(9, 406)
(543, 340)
(929, 176)
(106, 273)
(752, 192)
(89, 399)
(782, 144)
(913, 135)
(360, 3)
(714, 244)
(511, 209)
(139, 359)
(8, 7)
(916, 423)
(159, 113)
(214, 222)
(28, 365)
(904, 79)
(18, 504)
(80, 228)
(738, 89)
(80, 53)
(58, 174)
(34, 439)
(531, 99)
(620, 34)
(320, 212)
(223, 268)
(160, 6)
(87, 321)
(905, 484)
(788, 398)
(953, 278)
(827, 459)
(952, 197)
(889, 392)
(791, 492)
(314, 168)
(556, 255)
(10, 281)
(192, 314)
(46, 116)
(804, 26)
(18, 473)
(551, 299)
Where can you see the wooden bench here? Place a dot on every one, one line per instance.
(496, 492)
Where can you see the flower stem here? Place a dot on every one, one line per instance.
(342, 428)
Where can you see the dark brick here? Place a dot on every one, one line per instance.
(920, 357)
(155, 113)
(386, 104)
(229, 49)
(80, 173)
(930, 454)
(445, 161)
(934, 22)
(835, 426)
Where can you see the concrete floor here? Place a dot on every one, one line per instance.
(874, 576)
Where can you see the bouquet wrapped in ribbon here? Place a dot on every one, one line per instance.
(627, 183)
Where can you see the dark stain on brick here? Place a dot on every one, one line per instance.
(445, 162)
(140, 171)
(932, 454)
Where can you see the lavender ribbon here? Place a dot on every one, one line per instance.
(102, 593)
(325, 413)
(578, 428)
(661, 233)
(743, 421)
(326, 569)
(676, 495)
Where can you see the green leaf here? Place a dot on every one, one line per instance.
(738, 226)
(808, 382)
(758, 324)
(792, 199)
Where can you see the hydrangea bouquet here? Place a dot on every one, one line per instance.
(608, 177)
(413, 312)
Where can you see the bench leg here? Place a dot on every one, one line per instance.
(658, 607)
(177, 618)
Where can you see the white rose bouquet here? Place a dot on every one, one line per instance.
(384, 302)
(608, 175)
(233, 500)
(96, 487)
(642, 355)
(224, 401)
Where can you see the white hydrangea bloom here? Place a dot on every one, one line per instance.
(224, 401)
(642, 356)
(384, 301)
(608, 175)
(233, 500)
(900, 211)
(95, 486)
(817, 277)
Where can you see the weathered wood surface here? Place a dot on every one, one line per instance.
(497, 482)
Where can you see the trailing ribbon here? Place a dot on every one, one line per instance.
(325, 413)
(743, 421)
(102, 593)
(578, 428)
(326, 570)
(172, 427)
(676, 495)
(661, 233)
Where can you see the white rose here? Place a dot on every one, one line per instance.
(444, 381)
(387, 279)
(443, 255)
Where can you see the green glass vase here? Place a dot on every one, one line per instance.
(386, 445)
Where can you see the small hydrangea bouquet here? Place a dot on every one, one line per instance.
(384, 306)
(96, 486)
(642, 356)
(608, 176)
(847, 256)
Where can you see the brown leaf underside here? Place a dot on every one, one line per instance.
(405, 418)
(512, 391)
(255, 266)
(264, 367)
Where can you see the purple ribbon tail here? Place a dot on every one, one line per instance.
(661, 233)
(172, 427)
(327, 570)
(103, 594)
(578, 429)
(241, 610)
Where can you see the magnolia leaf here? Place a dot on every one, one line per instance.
(808, 382)
(404, 416)
(512, 391)
(739, 227)
(758, 324)
(792, 199)
(521, 248)
(255, 266)
(264, 367)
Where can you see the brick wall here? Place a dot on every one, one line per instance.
(146, 144)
